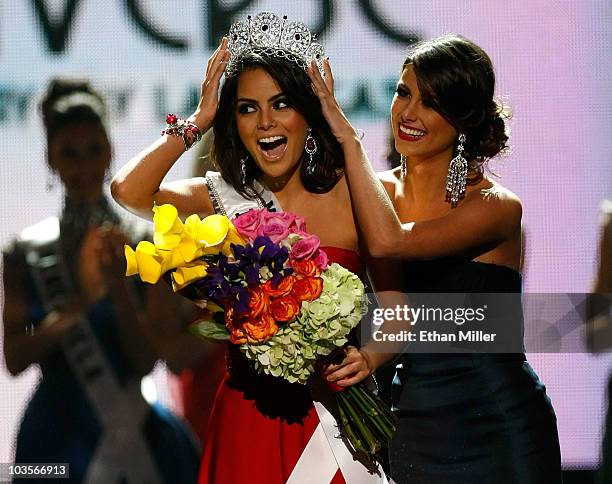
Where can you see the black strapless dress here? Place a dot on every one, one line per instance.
(472, 417)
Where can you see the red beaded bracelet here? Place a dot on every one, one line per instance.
(187, 130)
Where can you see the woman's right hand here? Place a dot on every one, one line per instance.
(207, 107)
(356, 365)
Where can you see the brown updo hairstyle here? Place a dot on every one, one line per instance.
(68, 102)
(456, 78)
(294, 83)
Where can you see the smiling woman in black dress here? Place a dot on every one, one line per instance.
(470, 417)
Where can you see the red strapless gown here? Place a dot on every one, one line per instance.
(260, 425)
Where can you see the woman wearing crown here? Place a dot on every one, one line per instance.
(273, 148)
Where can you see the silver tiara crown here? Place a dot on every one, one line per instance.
(271, 35)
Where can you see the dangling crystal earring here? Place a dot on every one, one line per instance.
(311, 149)
(243, 168)
(457, 175)
(403, 168)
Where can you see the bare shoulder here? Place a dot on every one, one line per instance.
(503, 198)
(494, 201)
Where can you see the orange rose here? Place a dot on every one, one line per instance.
(307, 289)
(282, 289)
(284, 308)
(258, 302)
(306, 267)
(261, 329)
(237, 335)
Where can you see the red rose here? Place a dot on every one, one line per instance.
(306, 267)
(258, 302)
(307, 289)
(261, 329)
(282, 289)
(284, 308)
(234, 324)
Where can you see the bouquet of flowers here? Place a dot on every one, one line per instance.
(273, 293)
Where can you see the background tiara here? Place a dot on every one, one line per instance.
(271, 35)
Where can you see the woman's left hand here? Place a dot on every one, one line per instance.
(324, 90)
(351, 370)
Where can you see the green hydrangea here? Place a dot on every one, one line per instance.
(321, 326)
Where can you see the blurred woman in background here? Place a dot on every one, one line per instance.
(69, 309)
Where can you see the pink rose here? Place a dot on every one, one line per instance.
(320, 259)
(299, 225)
(294, 222)
(284, 218)
(305, 248)
(276, 225)
(275, 230)
(248, 224)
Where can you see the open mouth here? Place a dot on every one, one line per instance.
(273, 147)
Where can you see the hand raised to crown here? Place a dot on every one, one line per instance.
(324, 89)
(207, 107)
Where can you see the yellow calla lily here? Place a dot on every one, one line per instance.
(232, 237)
(166, 241)
(130, 257)
(191, 225)
(185, 275)
(189, 249)
(168, 226)
(180, 246)
(149, 261)
(212, 230)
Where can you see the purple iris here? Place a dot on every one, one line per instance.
(227, 280)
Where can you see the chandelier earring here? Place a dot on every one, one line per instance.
(243, 167)
(403, 168)
(457, 175)
(311, 149)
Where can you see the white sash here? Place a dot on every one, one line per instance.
(122, 454)
(228, 201)
(326, 451)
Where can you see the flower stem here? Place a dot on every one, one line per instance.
(371, 414)
(372, 443)
(353, 438)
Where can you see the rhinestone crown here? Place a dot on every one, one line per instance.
(271, 35)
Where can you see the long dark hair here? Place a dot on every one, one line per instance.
(295, 85)
(456, 78)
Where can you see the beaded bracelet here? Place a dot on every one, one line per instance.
(187, 130)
